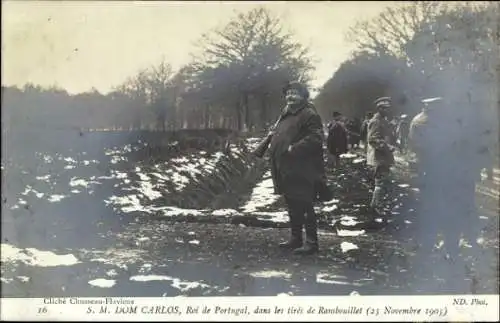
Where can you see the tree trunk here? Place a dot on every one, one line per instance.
(247, 122)
(206, 117)
(263, 110)
(238, 116)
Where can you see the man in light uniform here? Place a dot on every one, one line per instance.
(380, 154)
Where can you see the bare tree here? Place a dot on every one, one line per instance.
(135, 88)
(152, 92)
(246, 52)
(394, 27)
(161, 93)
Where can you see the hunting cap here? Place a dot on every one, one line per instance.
(297, 86)
(383, 102)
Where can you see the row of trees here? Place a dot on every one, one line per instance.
(235, 81)
(421, 49)
(410, 51)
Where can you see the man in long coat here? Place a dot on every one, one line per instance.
(297, 165)
(442, 138)
(380, 153)
(337, 143)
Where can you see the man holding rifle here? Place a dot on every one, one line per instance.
(297, 165)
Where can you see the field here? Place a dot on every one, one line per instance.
(161, 214)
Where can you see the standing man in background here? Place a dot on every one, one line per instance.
(364, 129)
(442, 137)
(337, 139)
(297, 165)
(402, 131)
(426, 141)
(353, 137)
(380, 153)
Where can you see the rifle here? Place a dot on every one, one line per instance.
(261, 148)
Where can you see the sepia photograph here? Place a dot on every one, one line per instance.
(224, 149)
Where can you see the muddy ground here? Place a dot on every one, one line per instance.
(112, 214)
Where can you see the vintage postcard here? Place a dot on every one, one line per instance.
(288, 161)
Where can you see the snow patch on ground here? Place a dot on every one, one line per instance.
(103, 283)
(117, 257)
(173, 175)
(278, 216)
(131, 203)
(177, 283)
(75, 181)
(173, 211)
(329, 208)
(358, 160)
(271, 274)
(330, 279)
(348, 221)
(44, 178)
(56, 198)
(35, 257)
(225, 212)
(184, 286)
(350, 233)
(148, 278)
(332, 201)
(262, 195)
(24, 279)
(348, 246)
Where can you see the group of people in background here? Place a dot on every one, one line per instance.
(444, 142)
(353, 133)
(447, 157)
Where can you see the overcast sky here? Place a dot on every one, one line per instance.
(79, 45)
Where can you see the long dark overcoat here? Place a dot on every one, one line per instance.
(296, 173)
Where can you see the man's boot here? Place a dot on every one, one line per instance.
(309, 248)
(295, 239)
(311, 245)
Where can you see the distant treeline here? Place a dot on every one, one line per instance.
(421, 49)
(235, 83)
(410, 51)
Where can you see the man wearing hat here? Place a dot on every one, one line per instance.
(419, 126)
(446, 181)
(297, 165)
(380, 152)
(424, 140)
(336, 141)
